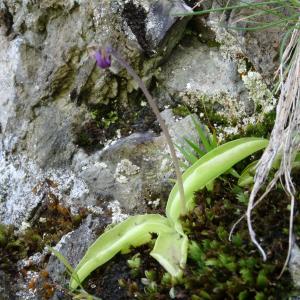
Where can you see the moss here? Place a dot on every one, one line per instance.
(216, 268)
(51, 222)
(83, 139)
(212, 43)
(263, 128)
(181, 111)
(109, 121)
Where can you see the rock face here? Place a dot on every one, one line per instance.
(49, 83)
(89, 131)
(53, 100)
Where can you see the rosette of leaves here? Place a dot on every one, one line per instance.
(171, 245)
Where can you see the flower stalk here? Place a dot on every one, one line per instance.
(103, 58)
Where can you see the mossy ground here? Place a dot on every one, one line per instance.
(51, 221)
(216, 267)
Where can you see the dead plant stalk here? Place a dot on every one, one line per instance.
(284, 138)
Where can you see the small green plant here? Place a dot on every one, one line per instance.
(193, 151)
(284, 138)
(247, 176)
(220, 269)
(171, 245)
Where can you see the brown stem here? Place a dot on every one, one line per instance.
(161, 122)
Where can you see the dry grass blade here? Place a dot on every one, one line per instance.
(284, 137)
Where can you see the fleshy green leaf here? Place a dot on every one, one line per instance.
(133, 232)
(214, 139)
(207, 168)
(247, 275)
(170, 251)
(247, 176)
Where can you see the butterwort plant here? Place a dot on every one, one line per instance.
(171, 245)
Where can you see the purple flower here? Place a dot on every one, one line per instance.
(103, 58)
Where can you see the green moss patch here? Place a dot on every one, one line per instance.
(110, 121)
(217, 268)
(50, 222)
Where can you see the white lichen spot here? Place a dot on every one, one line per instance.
(258, 91)
(33, 260)
(121, 179)
(101, 165)
(242, 66)
(154, 203)
(95, 210)
(117, 215)
(24, 226)
(124, 169)
(231, 130)
(119, 135)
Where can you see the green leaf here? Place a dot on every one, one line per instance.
(222, 233)
(243, 295)
(170, 251)
(188, 155)
(260, 296)
(212, 262)
(262, 280)
(202, 136)
(234, 173)
(195, 252)
(237, 240)
(134, 231)
(210, 185)
(214, 139)
(221, 9)
(247, 176)
(207, 168)
(205, 295)
(69, 268)
(195, 147)
(247, 275)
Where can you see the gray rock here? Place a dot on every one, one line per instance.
(24, 187)
(72, 246)
(294, 265)
(196, 67)
(48, 83)
(261, 47)
(47, 75)
(199, 75)
(132, 171)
